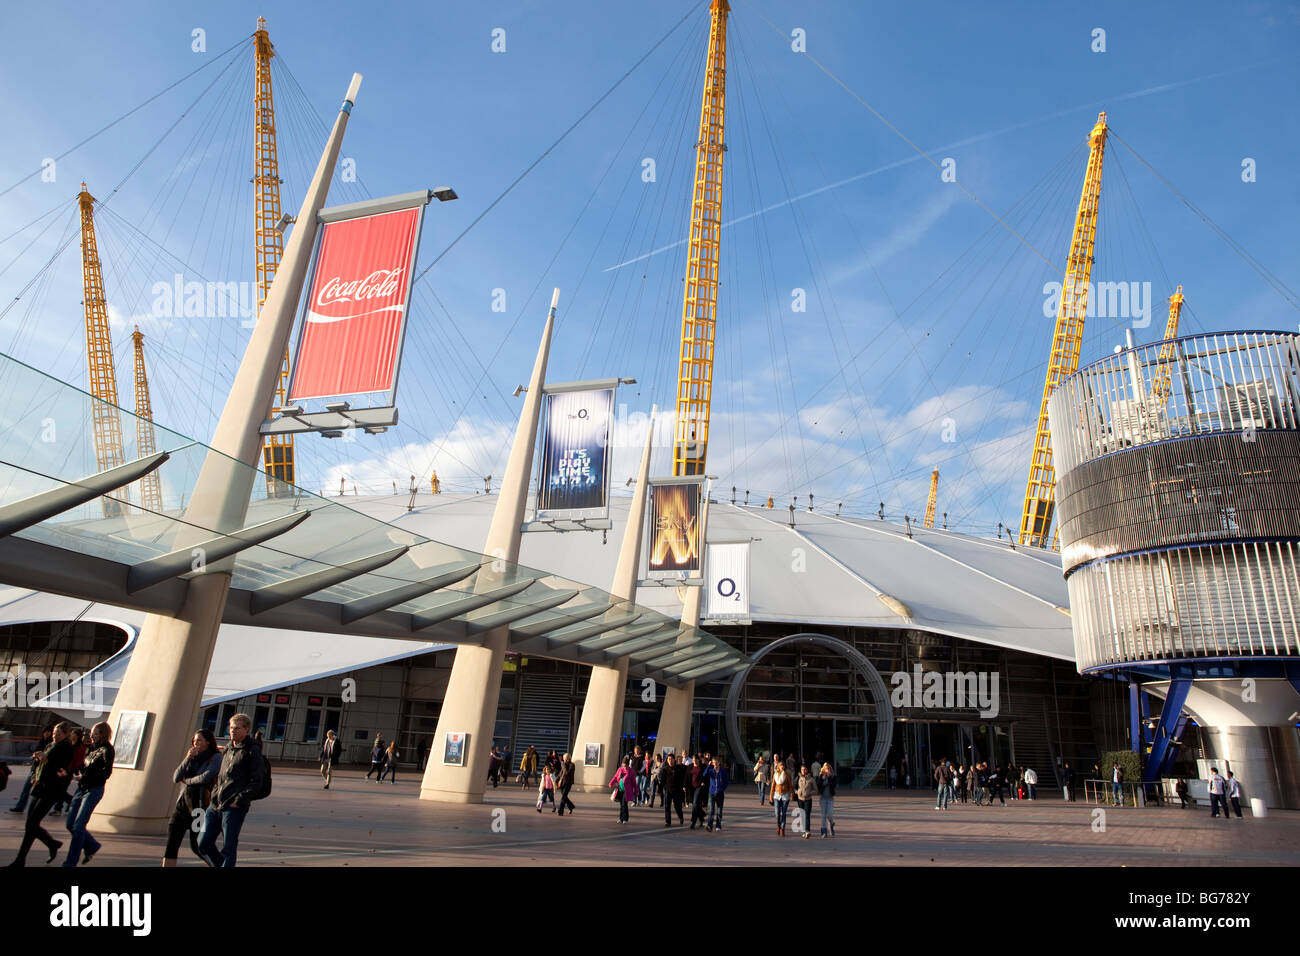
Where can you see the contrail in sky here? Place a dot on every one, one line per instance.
(1136, 94)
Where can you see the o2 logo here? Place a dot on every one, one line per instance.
(727, 589)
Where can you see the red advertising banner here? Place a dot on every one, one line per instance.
(356, 306)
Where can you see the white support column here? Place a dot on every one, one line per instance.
(602, 709)
(170, 660)
(679, 702)
(474, 688)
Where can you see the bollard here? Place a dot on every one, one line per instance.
(1257, 808)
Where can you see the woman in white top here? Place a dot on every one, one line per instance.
(781, 787)
(762, 777)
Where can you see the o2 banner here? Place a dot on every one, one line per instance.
(672, 537)
(726, 582)
(574, 478)
(356, 302)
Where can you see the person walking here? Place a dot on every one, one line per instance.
(942, 779)
(656, 768)
(826, 784)
(567, 774)
(1218, 794)
(376, 759)
(494, 766)
(1067, 782)
(699, 792)
(995, 786)
(330, 751)
(805, 788)
(791, 767)
(1180, 788)
(239, 781)
(47, 737)
(672, 784)
(196, 774)
(717, 778)
(1234, 794)
(1031, 783)
(51, 784)
(1117, 784)
(527, 766)
(95, 771)
(76, 737)
(762, 777)
(782, 786)
(893, 778)
(624, 784)
(391, 756)
(546, 788)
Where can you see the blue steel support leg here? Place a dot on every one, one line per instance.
(1134, 717)
(1167, 727)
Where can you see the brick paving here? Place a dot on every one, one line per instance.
(361, 823)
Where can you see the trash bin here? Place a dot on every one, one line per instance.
(1257, 808)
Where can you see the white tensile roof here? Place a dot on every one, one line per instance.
(855, 572)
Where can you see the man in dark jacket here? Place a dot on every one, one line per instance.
(672, 784)
(698, 793)
(242, 775)
(565, 783)
(50, 786)
(47, 737)
(330, 751)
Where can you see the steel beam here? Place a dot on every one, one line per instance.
(471, 602)
(364, 607)
(518, 613)
(561, 618)
(273, 595)
(26, 512)
(181, 561)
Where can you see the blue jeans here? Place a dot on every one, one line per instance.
(782, 804)
(828, 813)
(229, 821)
(762, 793)
(1117, 790)
(715, 803)
(942, 796)
(80, 808)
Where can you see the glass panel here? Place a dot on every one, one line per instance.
(311, 729)
(279, 721)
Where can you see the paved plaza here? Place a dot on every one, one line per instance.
(361, 823)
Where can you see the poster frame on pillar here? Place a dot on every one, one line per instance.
(692, 577)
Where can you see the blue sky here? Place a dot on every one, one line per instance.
(924, 316)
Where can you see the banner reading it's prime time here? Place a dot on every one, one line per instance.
(574, 478)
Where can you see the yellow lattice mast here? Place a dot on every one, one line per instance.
(934, 497)
(99, 351)
(277, 452)
(150, 486)
(1040, 492)
(1160, 388)
(700, 302)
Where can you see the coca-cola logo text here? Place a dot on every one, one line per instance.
(380, 284)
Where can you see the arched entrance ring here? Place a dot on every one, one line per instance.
(862, 667)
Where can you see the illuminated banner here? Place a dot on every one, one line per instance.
(672, 534)
(574, 478)
(354, 316)
(726, 582)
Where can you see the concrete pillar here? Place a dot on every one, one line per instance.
(170, 660)
(602, 709)
(474, 688)
(679, 702)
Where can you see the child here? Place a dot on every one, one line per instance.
(546, 789)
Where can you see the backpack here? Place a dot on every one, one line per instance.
(265, 790)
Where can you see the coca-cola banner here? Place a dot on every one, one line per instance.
(575, 454)
(355, 313)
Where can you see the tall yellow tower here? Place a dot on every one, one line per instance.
(700, 301)
(99, 352)
(933, 499)
(1040, 491)
(1160, 388)
(277, 451)
(145, 443)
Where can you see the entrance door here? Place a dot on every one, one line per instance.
(818, 740)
